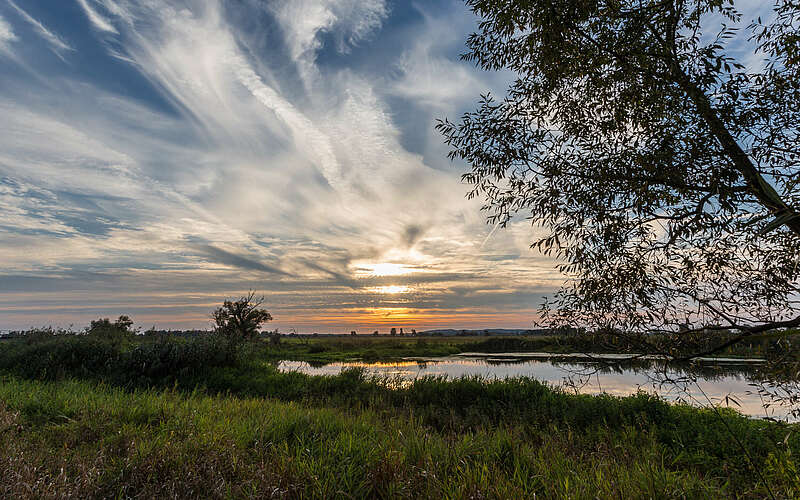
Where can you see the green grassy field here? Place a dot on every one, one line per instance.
(178, 420)
(369, 348)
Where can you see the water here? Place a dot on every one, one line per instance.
(723, 382)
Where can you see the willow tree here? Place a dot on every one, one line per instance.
(655, 144)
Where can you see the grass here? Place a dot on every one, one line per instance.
(177, 420)
(324, 349)
(89, 439)
(332, 349)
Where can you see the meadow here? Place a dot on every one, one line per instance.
(326, 349)
(135, 417)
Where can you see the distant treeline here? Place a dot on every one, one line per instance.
(265, 333)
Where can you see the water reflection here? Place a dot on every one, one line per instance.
(723, 383)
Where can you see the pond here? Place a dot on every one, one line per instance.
(717, 381)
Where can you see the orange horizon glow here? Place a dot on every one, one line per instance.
(363, 321)
(372, 308)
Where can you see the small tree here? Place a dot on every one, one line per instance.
(104, 328)
(124, 323)
(240, 319)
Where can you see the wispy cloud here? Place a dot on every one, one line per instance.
(303, 130)
(56, 43)
(304, 21)
(7, 36)
(98, 21)
(240, 261)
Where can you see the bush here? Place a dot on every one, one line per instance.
(317, 348)
(59, 357)
(502, 344)
(117, 331)
(149, 363)
(157, 362)
(41, 334)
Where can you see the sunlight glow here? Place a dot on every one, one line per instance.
(386, 269)
(391, 289)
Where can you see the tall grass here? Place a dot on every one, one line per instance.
(87, 439)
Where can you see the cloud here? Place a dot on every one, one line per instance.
(304, 21)
(341, 278)
(235, 260)
(412, 234)
(55, 42)
(208, 167)
(303, 130)
(98, 21)
(428, 72)
(6, 37)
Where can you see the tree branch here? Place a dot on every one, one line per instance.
(746, 332)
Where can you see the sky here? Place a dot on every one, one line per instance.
(158, 157)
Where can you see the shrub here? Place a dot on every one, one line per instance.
(59, 357)
(163, 361)
(240, 320)
(41, 334)
(119, 330)
(317, 348)
(149, 363)
(501, 344)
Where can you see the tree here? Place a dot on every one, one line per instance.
(241, 319)
(661, 171)
(124, 323)
(103, 327)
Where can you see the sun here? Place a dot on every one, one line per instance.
(386, 269)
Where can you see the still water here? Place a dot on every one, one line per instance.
(718, 382)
